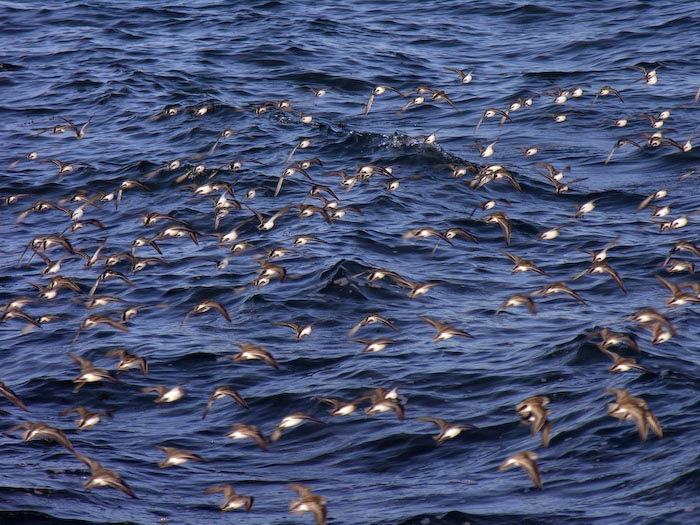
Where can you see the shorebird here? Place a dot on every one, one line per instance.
(447, 430)
(173, 165)
(678, 266)
(661, 333)
(529, 151)
(63, 167)
(607, 90)
(128, 184)
(374, 345)
(302, 144)
(444, 331)
(372, 319)
(685, 147)
(107, 275)
(179, 232)
(518, 300)
(31, 156)
(41, 206)
(233, 500)
(377, 274)
(300, 331)
(610, 338)
(464, 78)
(649, 75)
(102, 477)
(318, 92)
(533, 413)
(92, 321)
(301, 240)
(500, 218)
(168, 111)
(678, 296)
(278, 252)
(490, 173)
(201, 110)
(308, 502)
(376, 91)
(292, 420)
(221, 392)
(551, 233)
(39, 430)
(584, 208)
(90, 260)
(684, 245)
(452, 233)
(223, 135)
(44, 243)
(18, 313)
(629, 408)
(269, 271)
(602, 254)
(347, 181)
(491, 112)
(253, 351)
(268, 224)
(673, 224)
(559, 96)
(522, 265)
(143, 241)
(619, 144)
(307, 210)
(365, 172)
(415, 101)
(14, 399)
(425, 232)
(89, 373)
(166, 394)
(154, 217)
(558, 288)
(317, 190)
(205, 306)
(621, 364)
(650, 317)
(526, 461)
(86, 419)
(460, 170)
(383, 401)
(288, 172)
(558, 117)
(417, 289)
(304, 118)
(520, 103)
(339, 407)
(177, 456)
(602, 267)
(486, 151)
(243, 431)
(384, 405)
(439, 95)
(142, 264)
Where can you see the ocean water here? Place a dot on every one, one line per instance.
(251, 67)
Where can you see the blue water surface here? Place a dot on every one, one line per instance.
(241, 79)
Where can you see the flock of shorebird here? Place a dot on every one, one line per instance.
(214, 183)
